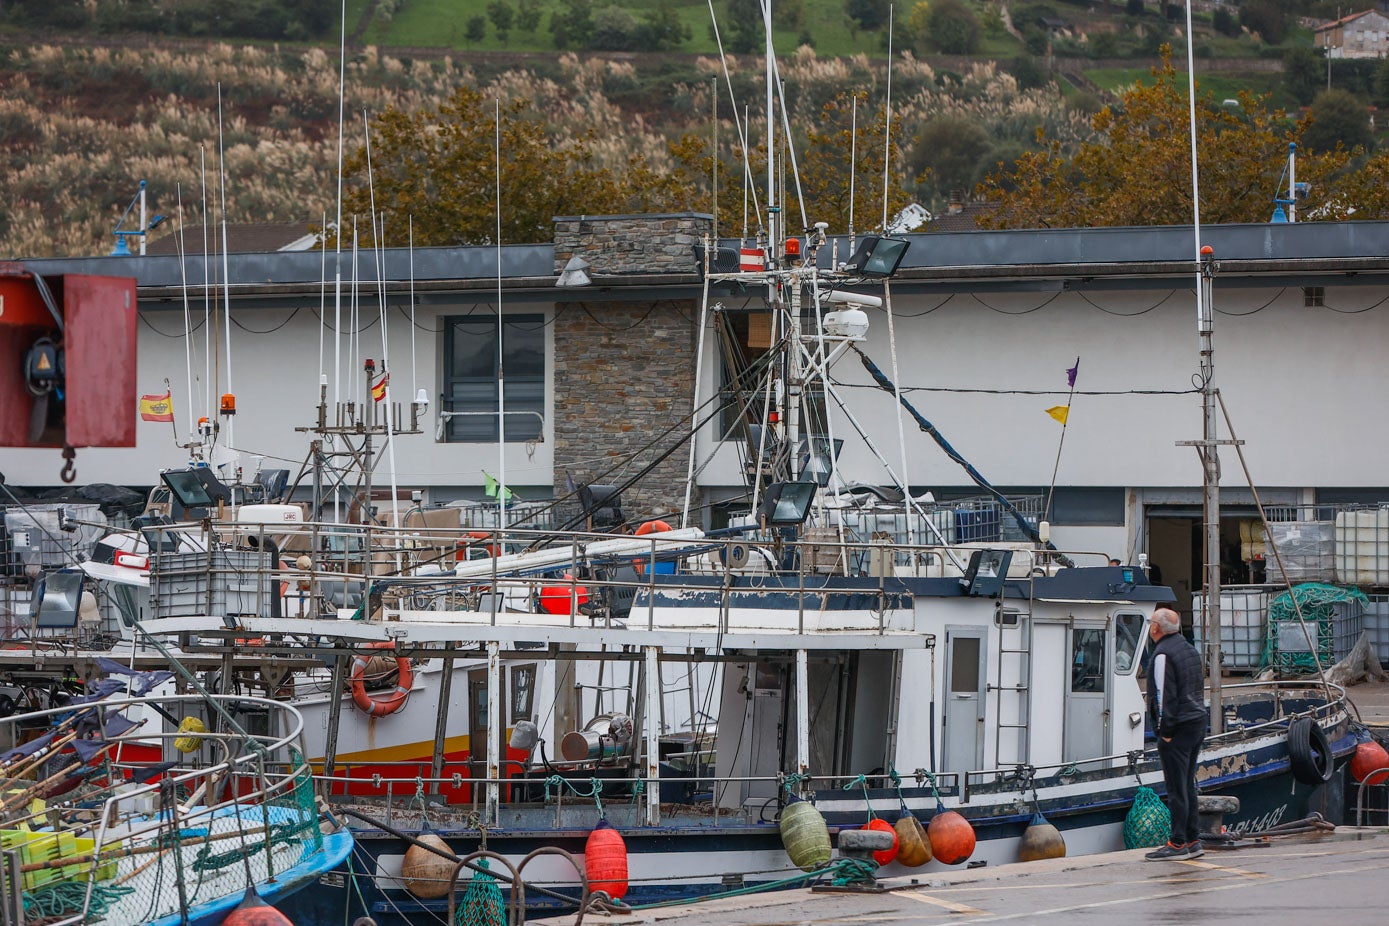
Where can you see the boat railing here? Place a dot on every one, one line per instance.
(1373, 787)
(252, 810)
(311, 570)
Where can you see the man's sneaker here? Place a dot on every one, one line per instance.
(1194, 849)
(1168, 853)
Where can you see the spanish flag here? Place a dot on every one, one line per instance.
(157, 407)
(1059, 412)
(378, 392)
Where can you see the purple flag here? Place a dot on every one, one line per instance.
(1071, 374)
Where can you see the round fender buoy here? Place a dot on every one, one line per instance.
(885, 856)
(805, 835)
(1369, 757)
(427, 875)
(1041, 840)
(1148, 822)
(952, 838)
(605, 860)
(252, 911)
(913, 848)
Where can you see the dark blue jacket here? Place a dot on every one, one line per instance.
(1176, 686)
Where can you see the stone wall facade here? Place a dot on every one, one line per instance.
(631, 244)
(624, 374)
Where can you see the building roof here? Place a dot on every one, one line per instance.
(250, 238)
(1342, 21)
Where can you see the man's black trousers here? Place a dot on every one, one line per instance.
(1179, 772)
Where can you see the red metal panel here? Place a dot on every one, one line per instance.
(100, 318)
(20, 303)
(15, 401)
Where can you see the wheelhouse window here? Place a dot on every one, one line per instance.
(1087, 660)
(1128, 640)
(471, 377)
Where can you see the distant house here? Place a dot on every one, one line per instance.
(249, 238)
(1359, 35)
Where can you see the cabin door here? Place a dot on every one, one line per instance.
(1086, 732)
(477, 719)
(965, 681)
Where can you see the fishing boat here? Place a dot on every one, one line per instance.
(879, 655)
(133, 804)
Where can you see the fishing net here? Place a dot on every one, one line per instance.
(482, 903)
(1149, 822)
(1331, 627)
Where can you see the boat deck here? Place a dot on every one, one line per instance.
(1295, 880)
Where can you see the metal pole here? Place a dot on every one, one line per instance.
(1210, 482)
(494, 734)
(441, 723)
(652, 718)
(802, 713)
(330, 746)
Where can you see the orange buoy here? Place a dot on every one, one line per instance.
(913, 848)
(884, 856)
(252, 911)
(385, 702)
(426, 874)
(605, 860)
(556, 599)
(648, 527)
(1369, 757)
(952, 838)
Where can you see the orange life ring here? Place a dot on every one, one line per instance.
(648, 527)
(382, 703)
(461, 553)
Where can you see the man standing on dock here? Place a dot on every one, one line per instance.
(1176, 705)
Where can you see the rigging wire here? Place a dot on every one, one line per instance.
(187, 320)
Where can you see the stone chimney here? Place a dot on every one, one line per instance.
(957, 202)
(632, 244)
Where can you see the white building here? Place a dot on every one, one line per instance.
(1359, 35)
(987, 323)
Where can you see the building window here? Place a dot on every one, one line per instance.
(471, 375)
(1313, 297)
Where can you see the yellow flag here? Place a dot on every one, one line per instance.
(1059, 412)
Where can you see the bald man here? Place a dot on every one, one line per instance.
(1177, 708)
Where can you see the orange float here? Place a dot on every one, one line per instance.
(1370, 757)
(605, 860)
(884, 856)
(252, 911)
(383, 703)
(952, 838)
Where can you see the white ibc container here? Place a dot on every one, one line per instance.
(1243, 622)
(1377, 626)
(1362, 547)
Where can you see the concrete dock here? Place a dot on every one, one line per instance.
(1291, 882)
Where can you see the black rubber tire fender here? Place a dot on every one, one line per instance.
(1309, 751)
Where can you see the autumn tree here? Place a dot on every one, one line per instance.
(438, 167)
(1138, 172)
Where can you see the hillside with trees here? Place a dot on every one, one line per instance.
(624, 105)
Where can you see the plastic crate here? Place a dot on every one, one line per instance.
(222, 582)
(1334, 637)
(1362, 546)
(35, 537)
(1376, 622)
(1243, 616)
(1306, 548)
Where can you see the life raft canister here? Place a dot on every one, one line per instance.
(385, 702)
(649, 527)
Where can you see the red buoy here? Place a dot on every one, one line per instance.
(605, 861)
(885, 856)
(952, 838)
(252, 911)
(1370, 757)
